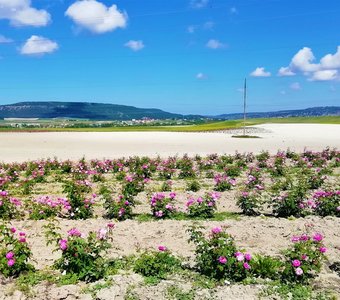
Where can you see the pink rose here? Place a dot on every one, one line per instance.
(222, 260)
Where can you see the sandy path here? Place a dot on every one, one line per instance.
(74, 145)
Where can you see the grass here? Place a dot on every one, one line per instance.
(210, 126)
(246, 136)
(218, 216)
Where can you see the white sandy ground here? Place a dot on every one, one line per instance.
(74, 145)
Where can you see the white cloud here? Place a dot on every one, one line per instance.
(21, 13)
(260, 72)
(5, 40)
(199, 3)
(191, 29)
(215, 44)
(330, 61)
(135, 45)
(233, 10)
(208, 25)
(38, 45)
(295, 86)
(302, 61)
(285, 71)
(201, 76)
(96, 17)
(324, 75)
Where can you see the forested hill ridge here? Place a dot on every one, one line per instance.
(308, 112)
(83, 110)
(106, 111)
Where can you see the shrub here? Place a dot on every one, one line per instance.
(162, 206)
(203, 207)
(223, 183)
(186, 168)
(120, 209)
(218, 257)
(303, 259)
(82, 257)
(193, 186)
(45, 207)
(266, 267)
(132, 186)
(8, 206)
(166, 186)
(327, 203)
(81, 206)
(157, 264)
(232, 171)
(249, 202)
(290, 203)
(14, 252)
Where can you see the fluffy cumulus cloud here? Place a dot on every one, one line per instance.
(215, 44)
(135, 45)
(304, 62)
(201, 76)
(96, 17)
(5, 40)
(295, 86)
(38, 45)
(21, 13)
(199, 3)
(285, 71)
(260, 72)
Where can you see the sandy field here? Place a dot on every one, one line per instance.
(74, 145)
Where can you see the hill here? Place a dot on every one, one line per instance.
(83, 110)
(308, 112)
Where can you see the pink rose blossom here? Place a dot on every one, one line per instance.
(10, 255)
(247, 256)
(63, 245)
(74, 232)
(246, 266)
(317, 237)
(222, 260)
(162, 248)
(216, 230)
(323, 249)
(298, 271)
(296, 263)
(239, 256)
(11, 262)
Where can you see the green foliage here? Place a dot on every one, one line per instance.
(81, 205)
(202, 207)
(156, 265)
(176, 293)
(295, 291)
(166, 186)
(82, 257)
(303, 260)
(15, 254)
(193, 186)
(266, 267)
(217, 256)
(8, 206)
(289, 203)
(120, 209)
(250, 203)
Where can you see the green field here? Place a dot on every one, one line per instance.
(212, 126)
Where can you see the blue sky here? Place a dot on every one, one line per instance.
(183, 56)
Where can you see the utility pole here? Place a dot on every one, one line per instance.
(244, 105)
